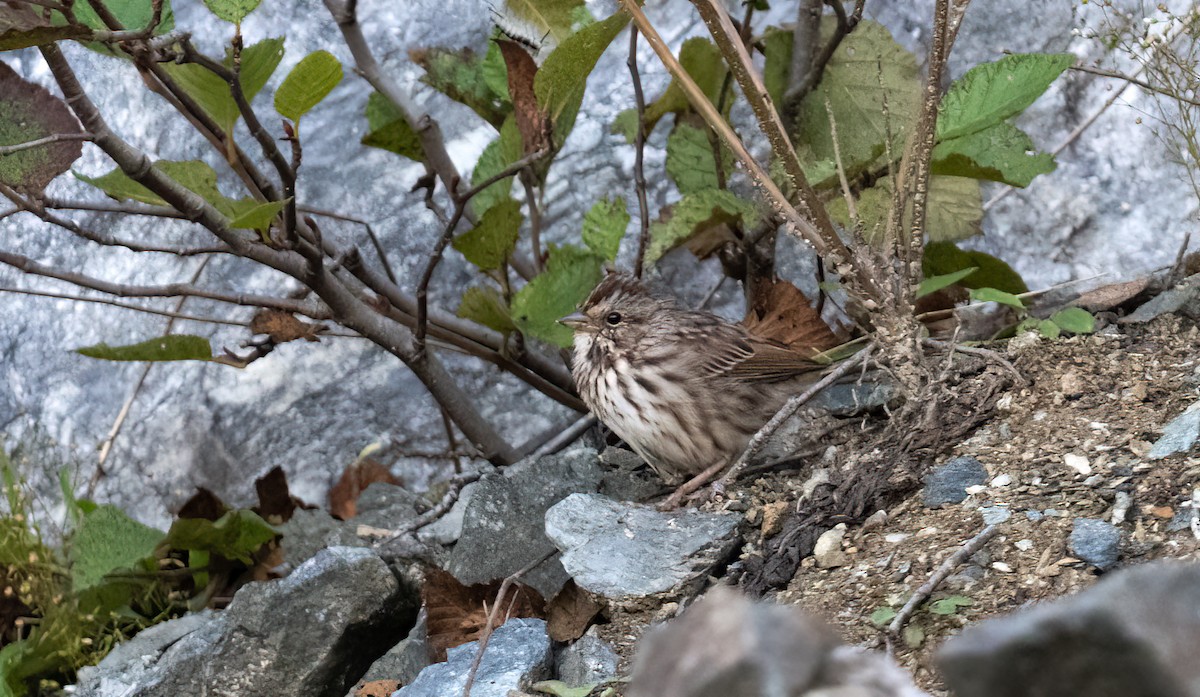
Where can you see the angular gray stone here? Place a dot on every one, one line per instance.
(1183, 299)
(503, 528)
(587, 661)
(1180, 435)
(1133, 634)
(310, 633)
(517, 655)
(447, 529)
(631, 480)
(383, 505)
(309, 531)
(622, 550)
(948, 483)
(994, 515)
(1095, 541)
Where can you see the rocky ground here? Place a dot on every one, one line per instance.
(1073, 472)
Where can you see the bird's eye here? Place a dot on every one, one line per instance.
(613, 319)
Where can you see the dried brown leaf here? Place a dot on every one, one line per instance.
(28, 112)
(275, 501)
(283, 327)
(203, 504)
(782, 313)
(533, 123)
(343, 497)
(457, 614)
(1107, 297)
(377, 688)
(570, 613)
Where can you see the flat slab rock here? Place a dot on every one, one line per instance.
(517, 655)
(623, 550)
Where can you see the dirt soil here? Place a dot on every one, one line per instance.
(1057, 449)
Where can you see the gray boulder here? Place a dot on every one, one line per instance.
(518, 655)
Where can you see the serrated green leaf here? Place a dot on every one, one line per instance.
(560, 83)
(867, 67)
(777, 62)
(553, 18)
(173, 347)
(953, 209)
(500, 153)
(213, 94)
(914, 636)
(1075, 320)
(232, 11)
(936, 283)
(604, 225)
(571, 273)
(950, 605)
(107, 540)
(464, 77)
(695, 213)
(235, 535)
(943, 258)
(882, 616)
(389, 130)
(690, 161)
(702, 61)
(486, 306)
(1001, 153)
(313, 78)
(252, 215)
(30, 112)
(1048, 329)
(132, 14)
(992, 295)
(488, 244)
(992, 92)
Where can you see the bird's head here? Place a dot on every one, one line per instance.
(618, 312)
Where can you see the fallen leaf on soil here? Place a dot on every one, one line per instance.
(570, 613)
(343, 497)
(1113, 295)
(457, 614)
(377, 688)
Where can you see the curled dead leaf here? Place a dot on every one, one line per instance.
(779, 311)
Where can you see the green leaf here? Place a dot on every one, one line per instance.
(132, 14)
(1048, 329)
(702, 61)
(867, 67)
(914, 636)
(950, 605)
(690, 161)
(313, 78)
(488, 244)
(936, 283)
(232, 11)
(495, 71)
(464, 77)
(486, 306)
(194, 175)
(694, 214)
(558, 688)
(107, 540)
(604, 226)
(882, 616)
(173, 347)
(571, 273)
(1001, 153)
(251, 215)
(777, 62)
(500, 153)
(235, 535)
(992, 92)
(553, 18)
(560, 82)
(953, 209)
(213, 94)
(944, 258)
(1075, 320)
(389, 130)
(29, 112)
(992, 295)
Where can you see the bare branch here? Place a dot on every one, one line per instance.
(806, 38)
(1131, 79)
(54, 138)
(639, 172)
(972, 546)
(383, 258)
(123, 305)
(110, 207)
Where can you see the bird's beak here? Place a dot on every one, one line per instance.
(575, 320)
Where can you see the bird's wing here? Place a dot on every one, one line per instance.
(734, 352)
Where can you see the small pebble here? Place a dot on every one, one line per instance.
(828, 550)
(994, 515)
(1034, 516)
(1024, 545)
(1002, 567)
(896, 537)
(1096, 542)
(1002, 480)
(1094, 480)
(1077, 462)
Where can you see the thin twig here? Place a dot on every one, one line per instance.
(639, 144)
(981, 353)
(122, 305)
(535, 218)
(851, 206)
(559, 438)
(493, 615)
(53, 138)
(383, 258)
(922, 594)
(1134, 80)
(460, 209)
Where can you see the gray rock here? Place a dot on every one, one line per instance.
(1133, 634)
(447, 529)
(404, 661)
(994, 515)
(1179, 435)
(843, 399)
(517, 655)
(728, 645)
(310, 633)
(387, 506)
(948, 483)
(1182, 520)
(624, 551)
(587, 661)
(631, 480)
(309, 531)
(1183, 299)
(503, 526)
(1095, 541)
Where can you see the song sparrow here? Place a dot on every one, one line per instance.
(685, 389)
